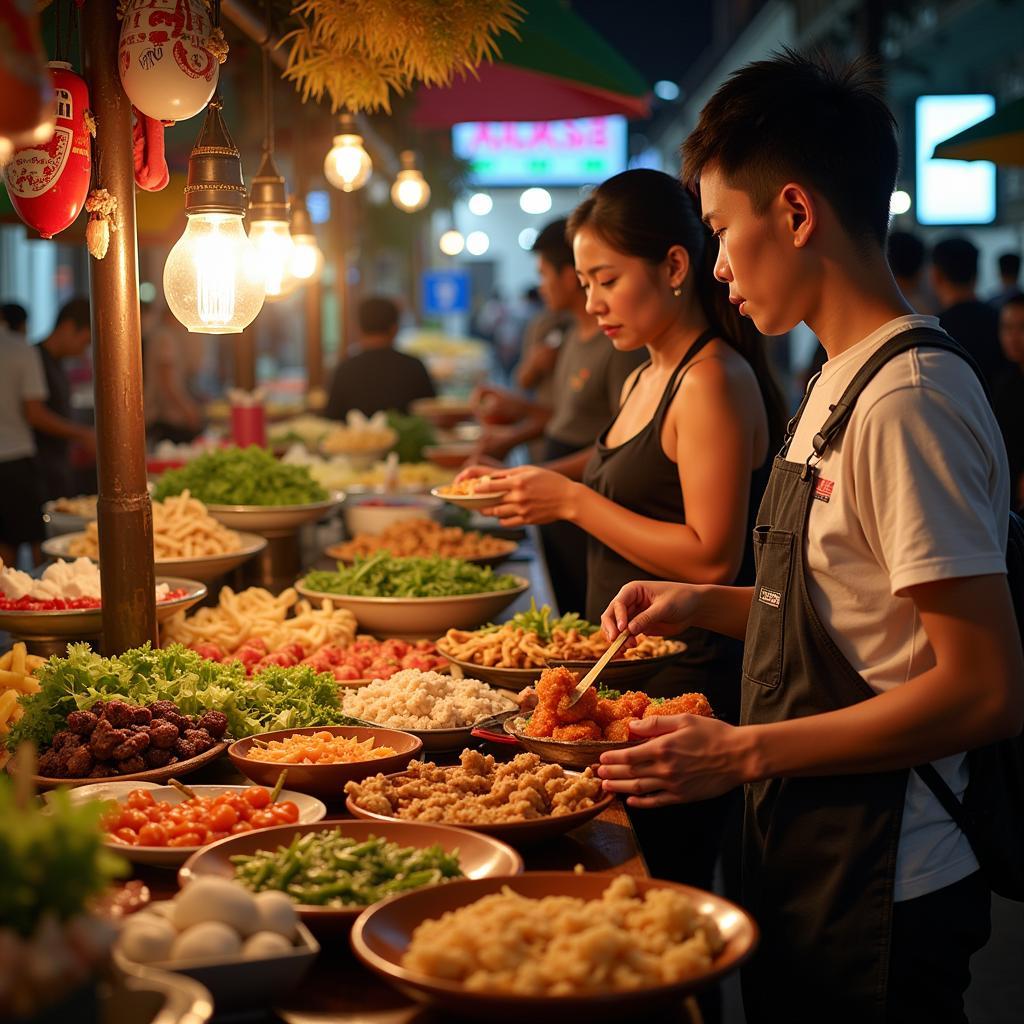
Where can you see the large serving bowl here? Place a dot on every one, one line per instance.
(507, 678)
(373, 514)
(578, 754)
(154, 775)
(324, 780)
(382, 935)
(480, 856)
(58, 521)
(623, 672)
(415, 617)
(70, 623)
(273, 520)
(205, 568)
(437, 740)
(311, 811)
(516, 833)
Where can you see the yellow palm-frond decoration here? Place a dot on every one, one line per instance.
(357, 52)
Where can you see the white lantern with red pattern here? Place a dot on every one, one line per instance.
(166, 69)
(48, 183)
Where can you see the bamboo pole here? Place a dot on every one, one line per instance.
(124, 512)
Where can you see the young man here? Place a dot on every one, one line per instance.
(377, 377)
(882, 635)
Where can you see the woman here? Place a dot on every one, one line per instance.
(672, 486)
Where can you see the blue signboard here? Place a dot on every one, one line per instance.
(445, 291)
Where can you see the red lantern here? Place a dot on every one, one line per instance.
(25, 94)
(48, 183)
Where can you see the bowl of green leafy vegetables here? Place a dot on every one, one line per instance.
(248, 489)
(415, 597)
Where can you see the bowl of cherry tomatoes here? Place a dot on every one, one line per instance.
(162, 826)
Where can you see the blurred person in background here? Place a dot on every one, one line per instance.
(954, 277)
(1009, 279)
(22, 391)
(1008, 392)
(55, 426)
(168, 364)
(15, 316)
(906, 253)
(377, 377)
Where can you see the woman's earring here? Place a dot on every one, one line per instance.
(677, 292)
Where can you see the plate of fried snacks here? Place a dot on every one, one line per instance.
(521, 801)
(577, 736)
(513, 654)
(187, 541)
(333, 870)
(321, 760)
(478, 492)
(425, 538)
(586, 946)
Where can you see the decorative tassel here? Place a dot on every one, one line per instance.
(101, 206)
(151, 171)
(217, 45)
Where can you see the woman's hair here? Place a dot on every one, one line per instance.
(643, 213)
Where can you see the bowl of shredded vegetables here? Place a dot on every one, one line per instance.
(333, 873)
(415, 597)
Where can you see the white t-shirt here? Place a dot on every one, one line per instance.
(21, 379)
(915, 490)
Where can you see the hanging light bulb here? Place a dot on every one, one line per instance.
(410, 192)
(212, 278)
(268, 229)
(307, 258)
(268, 205)
(348, 166)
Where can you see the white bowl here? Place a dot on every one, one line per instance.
(374, 514)
(237, 981)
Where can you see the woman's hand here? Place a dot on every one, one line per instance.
(652, 607)
(534, 495)
(685, 758)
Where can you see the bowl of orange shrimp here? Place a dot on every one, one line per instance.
(577, 736)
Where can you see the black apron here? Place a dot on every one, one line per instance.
(819, 854)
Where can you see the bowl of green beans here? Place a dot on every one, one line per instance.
(335, 870)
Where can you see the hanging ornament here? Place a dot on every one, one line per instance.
(101, 206)
(410, 191)
(26, 94)
(48, 183)
(167, 69)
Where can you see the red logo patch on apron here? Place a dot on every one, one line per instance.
(772, 598)
(823, 489)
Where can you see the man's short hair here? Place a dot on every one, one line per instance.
(802, 119)
(14, 315)
(956, 259)
(552, 244)
(378, 315)
(77, 311)
(1009, 265)
(906, 253)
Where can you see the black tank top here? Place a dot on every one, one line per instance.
(638, 475)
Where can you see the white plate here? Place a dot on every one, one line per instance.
(74, 622)
(271, 520)
(205, 567)
(469, 501)
(311, 811)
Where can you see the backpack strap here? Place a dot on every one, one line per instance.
(902, 342)
(930, 776)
